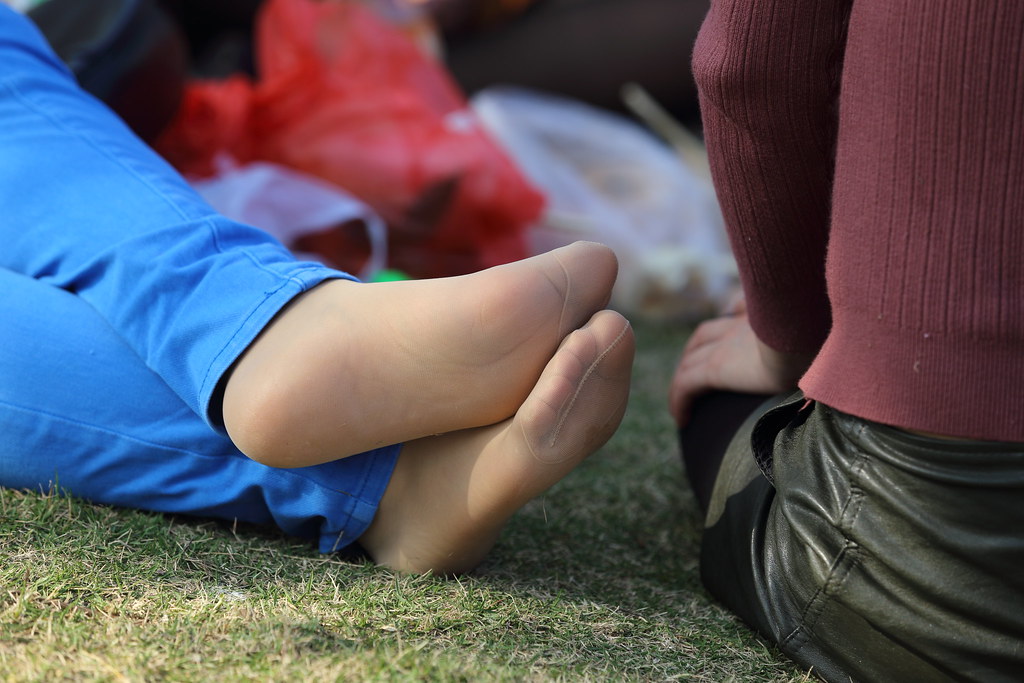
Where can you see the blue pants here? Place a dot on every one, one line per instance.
(124, 299)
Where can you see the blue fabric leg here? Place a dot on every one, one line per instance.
(123, 301)
(80, 411)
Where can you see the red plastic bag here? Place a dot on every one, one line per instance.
(344, 96)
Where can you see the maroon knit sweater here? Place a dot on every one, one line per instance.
(893, 137)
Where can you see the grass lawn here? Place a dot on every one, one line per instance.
(596, 580)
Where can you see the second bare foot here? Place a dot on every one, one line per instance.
(450, 495)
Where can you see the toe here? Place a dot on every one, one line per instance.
(579, 400)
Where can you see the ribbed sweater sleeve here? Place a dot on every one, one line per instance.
(768, 77)
(916, 188)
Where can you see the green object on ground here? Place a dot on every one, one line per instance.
(389, 275)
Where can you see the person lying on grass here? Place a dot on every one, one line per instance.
(157, 355)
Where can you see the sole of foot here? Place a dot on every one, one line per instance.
(450, 495)
(350, 367)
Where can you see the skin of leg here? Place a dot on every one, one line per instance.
(450, 495)
(349, 367)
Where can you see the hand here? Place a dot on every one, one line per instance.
(724, 353)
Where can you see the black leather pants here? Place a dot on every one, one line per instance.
(870, 553)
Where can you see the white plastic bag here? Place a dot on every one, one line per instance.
(289, 204)
(609, 180)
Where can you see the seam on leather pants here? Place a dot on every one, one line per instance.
(842, 566)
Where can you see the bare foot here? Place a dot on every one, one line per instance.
(450, 495)
(349, 367)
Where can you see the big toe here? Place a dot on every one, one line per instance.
(580, 398)
(587, 271)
